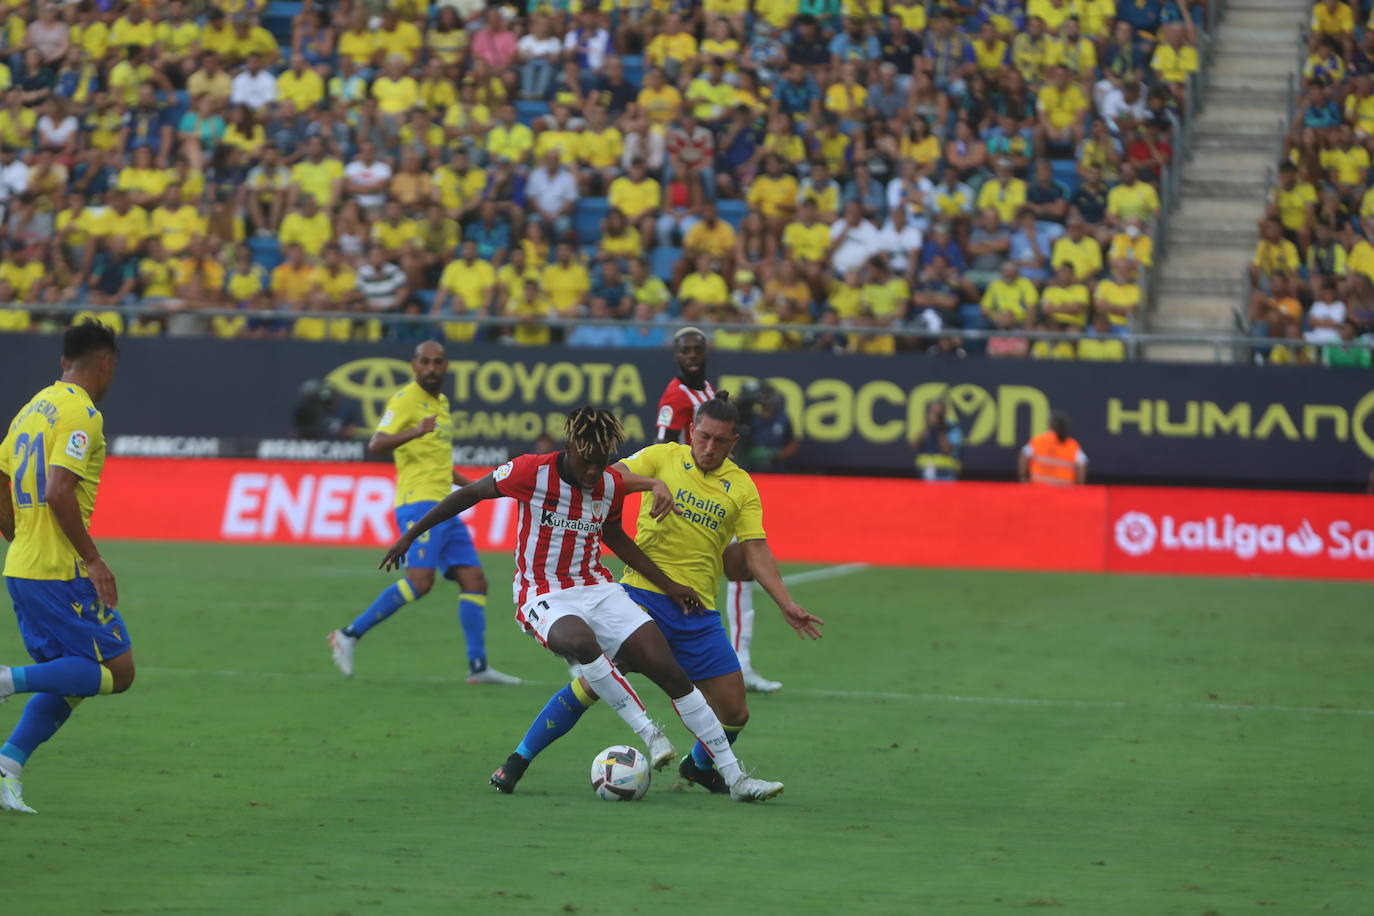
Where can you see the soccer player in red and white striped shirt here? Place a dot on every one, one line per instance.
(566, 598)
(677, 408)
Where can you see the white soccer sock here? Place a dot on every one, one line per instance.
(701, 721)
(741, 614)
(612, 687)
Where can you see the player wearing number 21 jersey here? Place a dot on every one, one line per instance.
(64, 594)
(566, 598)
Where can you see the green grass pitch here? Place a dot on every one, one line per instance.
(958, 743)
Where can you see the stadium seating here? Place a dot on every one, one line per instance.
(439, 91)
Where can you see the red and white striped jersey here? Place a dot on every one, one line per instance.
(558, 544)
(678, 407)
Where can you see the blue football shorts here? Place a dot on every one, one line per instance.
(446, 545)
(699, 641)
(61, 618)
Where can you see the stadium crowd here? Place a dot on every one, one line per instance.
(885, 165)
(1312, 274)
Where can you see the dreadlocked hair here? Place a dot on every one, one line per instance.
(591, 431)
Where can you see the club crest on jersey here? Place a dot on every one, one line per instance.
(726, 485)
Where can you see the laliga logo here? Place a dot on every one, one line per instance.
(1136, 533)
(371, 382)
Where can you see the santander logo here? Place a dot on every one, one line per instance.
(1139, 534)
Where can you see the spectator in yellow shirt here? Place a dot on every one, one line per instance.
(396, 92)
(672, 48)
(532, 307)
(1079, 250)
(465, 288)
(307, 226)
(774, 194)
(1004, 193)
(659, 101)
(1274, 254)
(599, 147)
(638, 196)
(1133, 244)
(1065, 300)
(293, 281)
(711, 236)
(703, 290)
(1174, 59)
(509, 140)
(174, 223)
(566, 281)
(1335, 19)
(1131, 199)
(1061, 105)
(1118, 296)
(301, 86)
(318, 175)
(1010, 300)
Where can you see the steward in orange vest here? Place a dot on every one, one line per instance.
(1054, 457)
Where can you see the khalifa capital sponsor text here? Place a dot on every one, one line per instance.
(1139, 534)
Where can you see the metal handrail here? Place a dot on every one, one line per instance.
(1132, 339)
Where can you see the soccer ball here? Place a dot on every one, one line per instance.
(620, 773)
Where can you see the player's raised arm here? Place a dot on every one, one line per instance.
(60, 493)
(456, 502)
(764, 566)
(6, 508)
(638, 483)
(381, 443)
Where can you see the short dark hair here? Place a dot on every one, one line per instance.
(720, 408)
(90, 336)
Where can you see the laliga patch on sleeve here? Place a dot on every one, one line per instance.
(78, 445)
(503, 471)
(665, 415)
(387, 418)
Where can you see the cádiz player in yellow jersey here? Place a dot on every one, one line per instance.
(718, 502)
(64, 594)
(418, 429)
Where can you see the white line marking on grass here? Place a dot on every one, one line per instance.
(829, 572)
(816, 692)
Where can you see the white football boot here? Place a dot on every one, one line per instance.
(661, 750)
(749, 789)
(6, 683)
(758, 683)
(12, 795)
(342, 646)
(489, 675)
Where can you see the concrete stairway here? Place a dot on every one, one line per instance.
(1212, 234)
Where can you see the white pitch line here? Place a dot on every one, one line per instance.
(829, 572)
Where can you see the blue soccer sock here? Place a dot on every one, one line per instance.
(556, 719)
(43, 716)
(703, 759)
(472, 616)
(71, 676)
(392, 599)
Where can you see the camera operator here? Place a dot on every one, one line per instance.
(771, 442)
(320, 414)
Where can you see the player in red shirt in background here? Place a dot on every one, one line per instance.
(676, 410)
(565, 597)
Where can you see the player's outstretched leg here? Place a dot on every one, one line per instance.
(648, 651)
(395, 596)
(57, 687)
(572, 637)
(472, 617)
(556, 719)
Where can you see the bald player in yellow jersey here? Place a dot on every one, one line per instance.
(64, 594)
(417, 428)
(716, 502)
